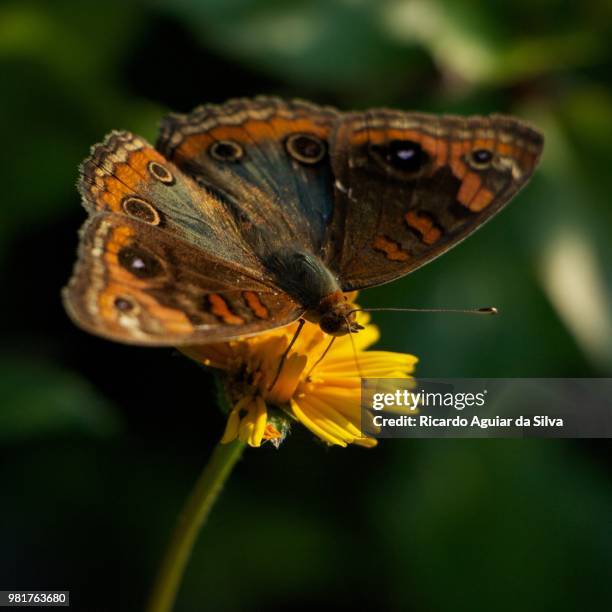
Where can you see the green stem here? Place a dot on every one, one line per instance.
(189, 523)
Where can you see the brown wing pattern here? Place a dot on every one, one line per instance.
(137, 284)
(125, 175)
(410, 186)
(267, 159)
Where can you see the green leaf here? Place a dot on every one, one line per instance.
(40, 400)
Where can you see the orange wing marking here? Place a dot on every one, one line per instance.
(391, 249)
(254, 303)
(219, 307)
(424, 225)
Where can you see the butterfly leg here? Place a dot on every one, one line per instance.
(286, 354)
(320, 359)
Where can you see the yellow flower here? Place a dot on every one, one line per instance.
(326, 400)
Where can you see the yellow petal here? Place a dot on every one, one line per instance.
(347, 403)
(247, 423)
(372, 364)
(260, 418)
(231, 427)
(327, 412)
(363, 339)
(318, 429)
(367, 442)
(233, 421)
(288, 380)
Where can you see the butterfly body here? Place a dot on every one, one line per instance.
(311, 284)
(252, 214)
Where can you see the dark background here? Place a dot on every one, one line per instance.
(100, 443)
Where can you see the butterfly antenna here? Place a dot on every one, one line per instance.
(320, 359)
(487, 310)
(281, 363)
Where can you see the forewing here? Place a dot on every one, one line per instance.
(411, 186)
(127, 176)
(267, 160)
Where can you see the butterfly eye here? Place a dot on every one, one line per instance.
(305, 148)
(139, 263)
(140, 209)
(161, 173)
(124, 304)
(480, 159)
(404, 155)
(226, 150)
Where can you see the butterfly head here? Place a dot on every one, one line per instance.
(335, 314)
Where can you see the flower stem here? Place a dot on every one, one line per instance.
(189, 523)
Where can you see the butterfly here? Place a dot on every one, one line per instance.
(252, 214)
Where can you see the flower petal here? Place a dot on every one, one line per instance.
(364, 339)
(260, 420)
(231, 428)
(329, 413)
(317, 428)
(288, 380)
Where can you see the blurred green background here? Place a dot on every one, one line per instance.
(100, 443)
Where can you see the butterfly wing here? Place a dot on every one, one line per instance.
(411, 186)
(267, 160)
(127, 176)
(135, 282)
